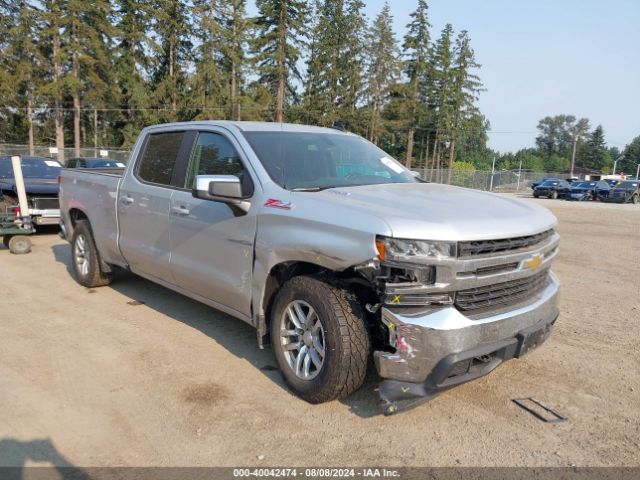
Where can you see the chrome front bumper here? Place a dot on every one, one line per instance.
(431, 346)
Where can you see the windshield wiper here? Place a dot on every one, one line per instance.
(308, 189)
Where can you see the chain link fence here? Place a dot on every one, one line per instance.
(63, 156)
(500, 181)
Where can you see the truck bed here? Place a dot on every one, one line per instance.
(95, 190)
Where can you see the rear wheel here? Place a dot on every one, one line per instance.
(634, 199)
(319, 339)
(19, 244)
(553, 195)
(85, 258)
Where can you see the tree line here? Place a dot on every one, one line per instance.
(569, 144)
(76, 73)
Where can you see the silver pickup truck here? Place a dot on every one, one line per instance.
(330, 248)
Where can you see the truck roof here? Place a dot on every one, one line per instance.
(258, 126)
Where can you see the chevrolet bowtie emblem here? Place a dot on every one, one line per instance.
(533, 263)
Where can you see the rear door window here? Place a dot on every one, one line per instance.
(159, 158)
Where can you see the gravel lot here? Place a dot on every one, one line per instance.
(134, 374)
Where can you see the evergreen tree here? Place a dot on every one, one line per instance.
(383, 69)
(22, 61)
(88, 32)
(465, 89)
(51, 15)
(417, 69)
(352, 63)
(596, 155)
(631, 158)
(280, 28)
(131, 65)
(208, 93)
(335, 62)
(441, 91)
(173, 30)
(235, 38)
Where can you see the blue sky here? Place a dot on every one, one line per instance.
(547, 57)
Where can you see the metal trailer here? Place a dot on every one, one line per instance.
(15, 226)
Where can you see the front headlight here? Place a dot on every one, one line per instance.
(413, 251)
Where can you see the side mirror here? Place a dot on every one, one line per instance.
(221, 188)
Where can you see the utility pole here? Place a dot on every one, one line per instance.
(519, 174)
(493, 171)
(573, 154)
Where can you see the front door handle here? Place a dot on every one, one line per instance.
(180, 210)
(126, 200)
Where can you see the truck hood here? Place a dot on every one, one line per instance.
(33, 186)
(442, 212)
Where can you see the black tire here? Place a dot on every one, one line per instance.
(634, 199)
(5, 240)
(535, 195)
(346, 341)
(19, 244)
(82, 240)
(553, 195)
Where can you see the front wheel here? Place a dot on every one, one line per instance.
(553, 195)
(319, 339)
(634, 199)
(85, 259)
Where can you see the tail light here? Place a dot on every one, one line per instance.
(58, 179)
(16, 211)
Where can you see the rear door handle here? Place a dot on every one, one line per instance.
(126, 200)
(180, 210)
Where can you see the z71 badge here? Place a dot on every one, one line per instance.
(274, 203)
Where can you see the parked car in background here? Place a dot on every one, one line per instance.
(537, 183)
(582, 191)
(41, 185)
(553, 189)
(590, 190)
(625, 191)
(94, 162)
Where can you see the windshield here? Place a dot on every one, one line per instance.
(550, 184)
(627, 185)
(300, 161)
(32, 167)
(585, 185)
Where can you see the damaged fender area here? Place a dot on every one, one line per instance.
(308, 234)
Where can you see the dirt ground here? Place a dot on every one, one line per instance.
(136, 375)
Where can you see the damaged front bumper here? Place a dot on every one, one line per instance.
(440, 349)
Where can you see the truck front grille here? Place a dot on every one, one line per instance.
(501, 294)
(482, 247)
(44, 203)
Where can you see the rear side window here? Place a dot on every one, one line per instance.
(159, 158)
